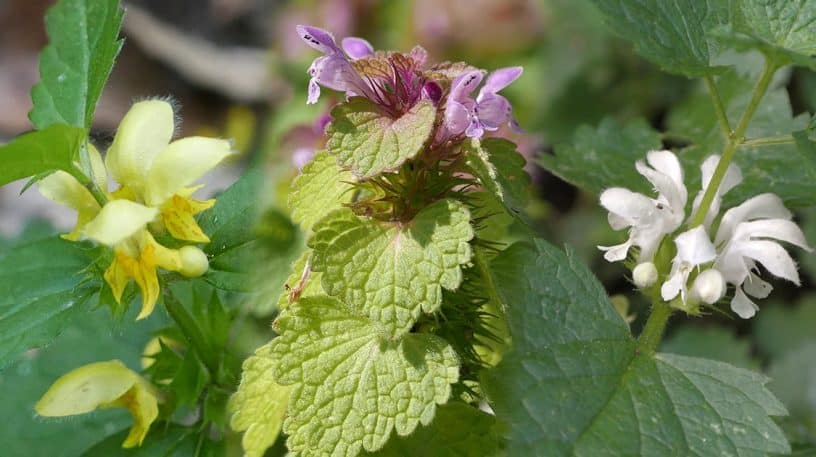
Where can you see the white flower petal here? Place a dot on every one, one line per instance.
(62, 188)
(772, 256)
(734, 267)
(616, 253)
(694, 247)
(761, 206)
(756, 287)
(742, 305)
(631, 206)
(145, 130)
(118, 220)
(667, 163)
(181, 164)
(617, 222)
(733, 176)
(709, 287)
(778, 229)
(673, 285)
(666, 176)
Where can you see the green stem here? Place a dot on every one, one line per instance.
(195, 337)
(88, 184)
(734, 140)
(652, 332)
(769, 141)
(719, 108)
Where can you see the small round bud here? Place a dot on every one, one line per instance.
(645, 275)
(709, 287)
(194, 262)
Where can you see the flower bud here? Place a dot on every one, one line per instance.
(709, 287)
(645, 275)
(194, 262)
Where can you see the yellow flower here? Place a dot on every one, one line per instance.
(103, 385)
(159, 173)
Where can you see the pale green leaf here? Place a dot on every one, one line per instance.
(370, 142)
(302, 282)
(260, 403)
(353, 383)
(83, 44)
(458, 430)
(321, 187)
(393, 271)
(574, 383)
(500, 168)
(605, 156)
(672, 34)
(54, 148)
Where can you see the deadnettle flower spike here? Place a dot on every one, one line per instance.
(488, 111)
(648, 219)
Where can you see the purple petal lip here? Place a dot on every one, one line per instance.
(357, 48)
(501, 78)
(318, 39)
(464, 84)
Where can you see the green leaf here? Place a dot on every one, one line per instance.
(605, 156)
(54, 148)
(94, 337)
(83, 45)
(458, 430)
(260, 403)
(779, 329)
(303, 282)
(43, 292)
(575, 384)
(393, 271)
(321, 187)
(784, 30)
(778, 168)
(370, 141)
(672, 34)
(500, 168)
(716, 343)
(353, 383)
(166, 440)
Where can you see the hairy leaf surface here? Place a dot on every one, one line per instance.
(369, 141)
(594, 394)
(321, 187)
(83, 44)
(500, 168)
(392, 271)
(353, 384)
(54, 148)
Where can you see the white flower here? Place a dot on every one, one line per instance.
(694, 248)
(745, 239)
(644, 275)
(709, 287)
(649, 219)
(733, 176)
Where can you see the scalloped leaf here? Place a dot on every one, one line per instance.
(370, 141)
(259, 405)
(352, 383)
(321, 187)
(574, 383)
(393, 271)
(83, 45)
(500, 168)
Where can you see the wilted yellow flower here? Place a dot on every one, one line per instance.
(103, 385)
(155, 178)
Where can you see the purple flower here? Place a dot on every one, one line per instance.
(392, 80)
(488, 111)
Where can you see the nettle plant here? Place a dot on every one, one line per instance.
(409, 325)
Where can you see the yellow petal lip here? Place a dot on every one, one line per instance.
(181, 164)
(144, 132)
(86, 388)
(62, 188)
(119, 220)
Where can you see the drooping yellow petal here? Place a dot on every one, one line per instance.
(177, 216)
(163, 257)
(117, 274)
(64, 189)
(182, 163)
(118, 220)
(146, 130)
(103, 385)
(144, 273)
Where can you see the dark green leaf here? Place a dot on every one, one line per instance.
(54, 148)
(575, 384)
(165, 440)
(83, 44)
(604, 156)
(500, 168)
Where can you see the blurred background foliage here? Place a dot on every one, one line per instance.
(238, 69)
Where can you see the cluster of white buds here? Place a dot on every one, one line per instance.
(746, 236)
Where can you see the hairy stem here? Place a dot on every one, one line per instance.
(193, 334)
(734, 140)
(88, 184)
(719, 108)
(769, 141)
(652, 332)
